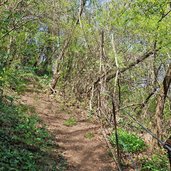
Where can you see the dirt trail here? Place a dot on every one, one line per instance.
(82, 154)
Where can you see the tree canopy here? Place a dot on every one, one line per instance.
(112, 55)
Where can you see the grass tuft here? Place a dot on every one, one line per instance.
(89, 135)
(70, 122)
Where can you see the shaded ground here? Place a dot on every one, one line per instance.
(82, 154)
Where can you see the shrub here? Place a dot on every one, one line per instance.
(24, 143)
(158, 162)
(128, 142)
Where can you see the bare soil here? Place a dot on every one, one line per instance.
(82, 153)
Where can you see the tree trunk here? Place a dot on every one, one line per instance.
(160, 103)
(168, 143)
(65, 47)
(112, 74)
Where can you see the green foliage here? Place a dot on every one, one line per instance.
(17, 79)
(70, 122)
(12, 79)
(24, 142)
(158, 162)
(28, 40)
(128, 142)
(152, 105)
(44, 80)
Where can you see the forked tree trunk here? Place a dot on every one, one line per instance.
(160, 104)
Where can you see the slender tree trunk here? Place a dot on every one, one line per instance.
(100, 98)
(116, 132)
(65, 47)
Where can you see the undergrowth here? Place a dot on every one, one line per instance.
(18, 80)
(158, 162)
(25, 144)
(128, 142)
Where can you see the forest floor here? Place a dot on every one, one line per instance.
(81, 144)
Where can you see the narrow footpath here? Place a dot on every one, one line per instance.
(83, 153)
